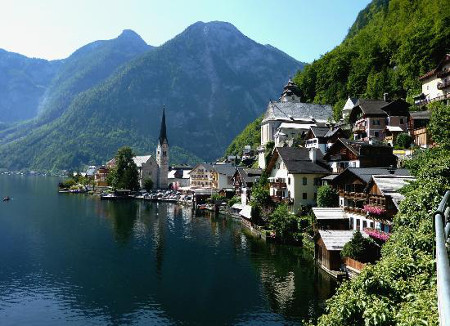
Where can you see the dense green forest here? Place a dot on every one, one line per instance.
(400, 289)
(388, 47)
(251, 135)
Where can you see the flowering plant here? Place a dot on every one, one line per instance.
(377, 234)
(376, 210)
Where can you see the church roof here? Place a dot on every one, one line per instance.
(297, 111)
(139, 160)
(162, 130)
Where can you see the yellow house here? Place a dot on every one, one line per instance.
(294, 175)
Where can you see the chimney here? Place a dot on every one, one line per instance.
(313, 154)
(385, 97)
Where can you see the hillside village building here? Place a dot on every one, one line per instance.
(435, 83)
(357, 154)
(287, 119)
(376, 119)
(212, 176)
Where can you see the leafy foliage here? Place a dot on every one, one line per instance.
(390, 45)
(124, 175)
(251, 135)
(440, 123)
(148, 184)
(284, 223)
(404, 140)
(360, 248)
(327, 197)
(401, 288)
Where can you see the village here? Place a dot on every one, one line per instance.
(337, 177)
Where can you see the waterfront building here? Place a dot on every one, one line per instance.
(295, 174)
(370, 196)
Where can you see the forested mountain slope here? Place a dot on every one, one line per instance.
(389, 46)
(211, 78)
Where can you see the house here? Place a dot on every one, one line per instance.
(331, 218)
(418, 128)
(201, 176)
(212, 176)
(90, 172)
(179, 177)
(323, 137)
(371, 118)
(328, 247)
(100, 176)
(346, 153)
(223, 176)
(355, 194)
(290, 117)
(245, 178)
(435, 83)
(294, 175)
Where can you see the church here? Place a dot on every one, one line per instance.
(155, 167)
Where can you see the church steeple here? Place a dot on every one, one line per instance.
(162, 131)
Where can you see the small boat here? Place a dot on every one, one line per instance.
(6, 198)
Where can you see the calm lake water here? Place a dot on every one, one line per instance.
(76, 260)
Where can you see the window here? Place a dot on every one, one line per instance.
(364, 224)
(305, 181)
(357, 223)
(401, 120)
(376, 122)
(305, 195)
(289, 181)
(377, 134)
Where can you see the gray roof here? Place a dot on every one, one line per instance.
(320, 131)
(297, 111)
(336, 239)
(331, 132)
(367, 173)
(372, 106)
(425, 115)
(226, 169)
(249, 175)
(329, 213)
(297, 160)
(389, 185)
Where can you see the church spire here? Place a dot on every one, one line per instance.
(162, 131)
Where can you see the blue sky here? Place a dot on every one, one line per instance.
(53, 29)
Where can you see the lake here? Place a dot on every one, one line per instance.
(75, 260)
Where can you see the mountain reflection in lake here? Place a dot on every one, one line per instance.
(76, 260)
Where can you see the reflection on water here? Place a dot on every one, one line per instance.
(76, 260)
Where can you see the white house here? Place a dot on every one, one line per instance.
(295, 174)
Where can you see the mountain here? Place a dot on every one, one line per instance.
(388, 47)
(23, 82)
(85, 68)
(211, 78)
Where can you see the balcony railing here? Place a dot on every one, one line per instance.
(377, 234)
(279, 199)
(359, 128)
(278, 185)
(442, 229)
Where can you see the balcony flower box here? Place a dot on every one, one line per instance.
(377, 234)
(375, 210)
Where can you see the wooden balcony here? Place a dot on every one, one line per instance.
(356, 210)
(278, 185)
(359, 129)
